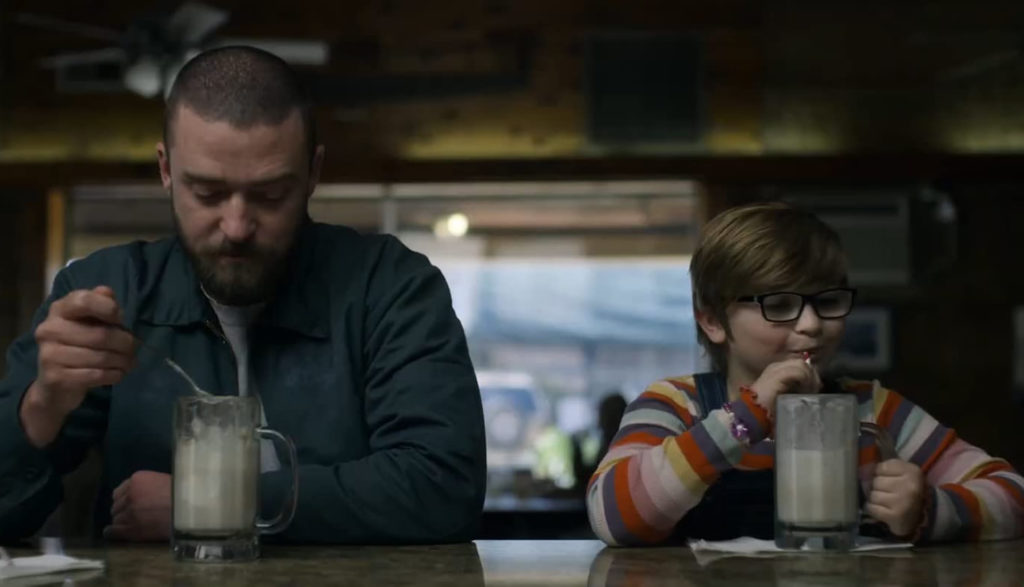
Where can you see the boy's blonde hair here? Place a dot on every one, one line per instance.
(760, 248)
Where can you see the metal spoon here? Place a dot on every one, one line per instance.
(177, 368)
(170, 363)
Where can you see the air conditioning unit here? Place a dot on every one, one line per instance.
(875, 230)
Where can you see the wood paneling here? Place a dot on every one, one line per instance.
(796, 77)
(22, 242)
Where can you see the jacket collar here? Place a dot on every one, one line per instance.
(301, 303)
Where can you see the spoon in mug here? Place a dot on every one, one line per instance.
(198, 390)
(170, 363)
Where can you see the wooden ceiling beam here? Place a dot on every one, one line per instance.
(847, 170)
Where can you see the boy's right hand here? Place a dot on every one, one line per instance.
(82, 345)
(789, 376)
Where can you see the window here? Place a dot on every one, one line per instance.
(569, 292)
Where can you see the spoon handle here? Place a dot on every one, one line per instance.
(170, 363)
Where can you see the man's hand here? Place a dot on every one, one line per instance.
(141, 511)
(897, 496)
(82, 345)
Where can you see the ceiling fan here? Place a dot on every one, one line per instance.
(146, 57)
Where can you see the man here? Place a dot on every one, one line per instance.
(349, 342)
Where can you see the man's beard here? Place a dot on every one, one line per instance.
(251, 279)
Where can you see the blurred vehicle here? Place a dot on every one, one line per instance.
(515, 412)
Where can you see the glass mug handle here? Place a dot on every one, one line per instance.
(886, 447)
(886, 451)
(281, 521)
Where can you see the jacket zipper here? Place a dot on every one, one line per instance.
(216, 330)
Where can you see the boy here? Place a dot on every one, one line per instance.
(693, 456)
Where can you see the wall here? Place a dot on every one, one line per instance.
(954, 338)
(795, 76)
(22, 252)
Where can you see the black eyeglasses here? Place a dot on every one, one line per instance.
(784, 306)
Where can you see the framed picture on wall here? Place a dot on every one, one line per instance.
(867, 342)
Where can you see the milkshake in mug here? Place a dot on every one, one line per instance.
(816, 482)
(216, 479)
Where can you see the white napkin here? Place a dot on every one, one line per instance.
(706, 551)
(27, 566)
(748, 545)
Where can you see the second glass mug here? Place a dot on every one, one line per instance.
(816, 460)
(216, 479)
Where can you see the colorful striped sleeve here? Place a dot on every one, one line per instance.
(973, 496)
(662, 460)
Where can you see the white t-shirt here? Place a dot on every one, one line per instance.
(235, 321)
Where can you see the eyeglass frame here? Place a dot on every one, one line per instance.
(804, 299)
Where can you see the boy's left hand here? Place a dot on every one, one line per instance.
(897, 496)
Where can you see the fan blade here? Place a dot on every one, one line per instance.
(110, 54)
(981, 66)
(296, 51)
(66, 26)
(144, 77)
(193, 22)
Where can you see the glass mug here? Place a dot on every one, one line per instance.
(816, 460)
(216, 479)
